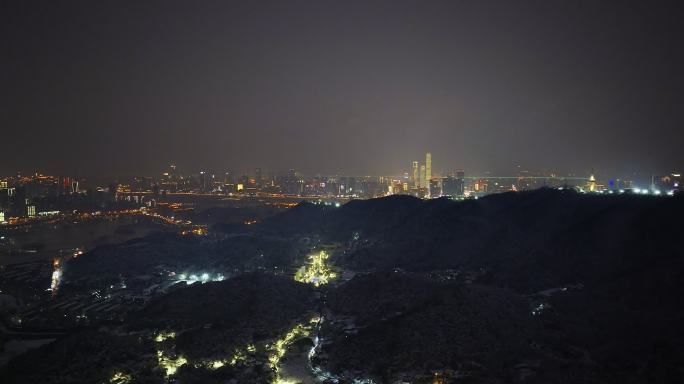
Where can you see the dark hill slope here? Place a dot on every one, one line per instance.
(527, 240)
(251, 298)
(219, 316)
(371, 216)
(619, 320)
(144, 256)
(412, 324)
(85, 357)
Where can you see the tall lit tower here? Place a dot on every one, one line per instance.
(422, 183)
(592, 183)
(203, 181)
(428, 168)
(415, 180)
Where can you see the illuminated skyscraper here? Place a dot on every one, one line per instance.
(428, 168)
(172, 173)
(416, 178)
(423, 181)
(228, 182)
(460, 178)
(65, 186)
(204, 185)
(591, 185)
(258, 177)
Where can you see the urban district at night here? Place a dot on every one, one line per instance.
(341, 192)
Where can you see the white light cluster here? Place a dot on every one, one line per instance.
(202, 278)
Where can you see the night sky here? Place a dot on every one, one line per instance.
(354, 87)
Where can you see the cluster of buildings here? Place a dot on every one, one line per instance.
(16, 194)
(290, 183)
(45, 195)
(421, 182)
(29, 196)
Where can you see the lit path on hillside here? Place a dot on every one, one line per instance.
(288, 364)
(316, 271)
(299, 368)
(278, 349)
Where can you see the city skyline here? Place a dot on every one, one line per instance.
(396, 170)
(414, 174)
(419, 167)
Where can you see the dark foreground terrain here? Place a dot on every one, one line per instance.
(545, 286)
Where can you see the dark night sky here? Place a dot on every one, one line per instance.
(357, 87)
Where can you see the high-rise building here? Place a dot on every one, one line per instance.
(172, 173)
(449, 186)
(422, 179)
(434, 188)
(591, 185)
(17, 201)
(290, 183)
(4, 199)
(228, 182)
(258, 177)
(352, 185)
(416, 179)
(65, 186)
(428, 168)
(453, 185)
(204, 183)
(460, 180)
